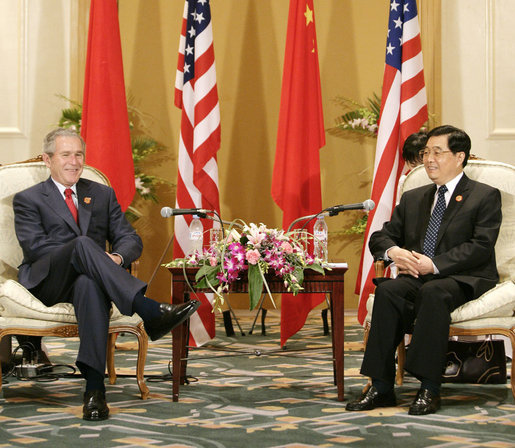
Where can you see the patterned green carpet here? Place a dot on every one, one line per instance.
(246, 392)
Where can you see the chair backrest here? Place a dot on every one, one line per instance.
(15, 178)
(501, 176)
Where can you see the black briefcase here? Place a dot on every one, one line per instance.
(475, 362)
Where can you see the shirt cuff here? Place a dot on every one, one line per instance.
(121, 258)
(386, 257)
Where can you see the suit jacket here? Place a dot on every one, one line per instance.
(43, 222)
(466, 237)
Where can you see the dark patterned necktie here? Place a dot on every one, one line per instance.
(71, 205)
(434, 223)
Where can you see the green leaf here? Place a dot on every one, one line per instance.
(255, 285)
(299, 274)
(207, 270)
(206, 276)
(316, 267)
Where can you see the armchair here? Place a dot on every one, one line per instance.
(23, 314)
(494, 312)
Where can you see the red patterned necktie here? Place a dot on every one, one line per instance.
(71, 205)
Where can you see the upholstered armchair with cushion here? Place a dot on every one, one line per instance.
(23, 314)
(494, 312)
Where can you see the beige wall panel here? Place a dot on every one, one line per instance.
(478, 67)
(35, 39)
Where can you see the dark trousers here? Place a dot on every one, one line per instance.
(406, 303)
(81, 273)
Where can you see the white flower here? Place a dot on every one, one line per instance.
(233, 236)
(138, 182)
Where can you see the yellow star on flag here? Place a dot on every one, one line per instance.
(309, 15)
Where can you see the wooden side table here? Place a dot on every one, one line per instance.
(330, 283)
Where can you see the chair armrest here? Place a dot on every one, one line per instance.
(379, 265)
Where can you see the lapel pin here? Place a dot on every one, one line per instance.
(459, 198)
(87, 200)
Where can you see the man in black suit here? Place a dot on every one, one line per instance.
(63, 225)
(441, 237)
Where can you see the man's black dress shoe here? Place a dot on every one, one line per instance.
(425, 403)
(171, 316)
(372, 399)
(95, 406)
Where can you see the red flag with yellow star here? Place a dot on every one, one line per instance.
(296, 180)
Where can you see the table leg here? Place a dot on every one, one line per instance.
(338, 327)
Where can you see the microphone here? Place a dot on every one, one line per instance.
(366, 205)
(167, 212)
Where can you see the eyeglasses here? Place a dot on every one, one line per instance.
(437, 152)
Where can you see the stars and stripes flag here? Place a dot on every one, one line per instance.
(403, 112)
(197, 179)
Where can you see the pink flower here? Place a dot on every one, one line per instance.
(287, 247)
(255, 237)
(253, 256)
(213, 261)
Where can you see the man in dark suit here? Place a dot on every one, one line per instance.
(63, 225)
(441, 237)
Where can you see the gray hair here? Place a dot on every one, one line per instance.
(50, 138)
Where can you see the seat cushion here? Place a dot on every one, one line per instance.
(16, 301)
(497, 302)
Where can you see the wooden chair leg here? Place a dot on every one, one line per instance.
(111, 371)
(366, 332)
(401, 359)
(512, 379)
(142, 356)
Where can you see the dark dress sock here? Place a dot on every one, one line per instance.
(146, 308)
(430, 386)
(381, 386)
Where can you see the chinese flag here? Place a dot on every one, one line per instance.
(105, 122)
(296, 180)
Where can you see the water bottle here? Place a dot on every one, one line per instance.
(196, 235)
(320, 239)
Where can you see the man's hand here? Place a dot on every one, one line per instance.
(406, 262)
(115, 257)
(425, 264)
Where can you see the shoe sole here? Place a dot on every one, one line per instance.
(410, 412)
(385, 405)
(95, 417)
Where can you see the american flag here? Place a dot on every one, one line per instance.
(197, 179)
(403, 112)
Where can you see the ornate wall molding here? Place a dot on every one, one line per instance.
(14, 78)
(500, 67)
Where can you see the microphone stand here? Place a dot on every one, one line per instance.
(154, 272)
(309, 218)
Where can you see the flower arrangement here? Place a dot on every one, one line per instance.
(256, 250)
(358, 118)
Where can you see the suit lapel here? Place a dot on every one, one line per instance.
(85, 202)
(462, 190)
(56, 202)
